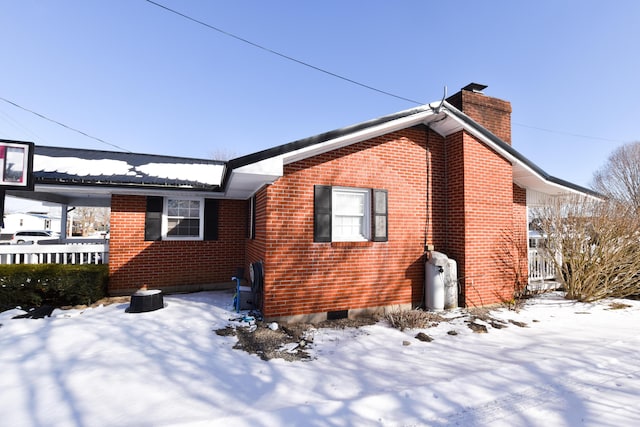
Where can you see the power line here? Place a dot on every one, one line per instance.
(11, 121)
(282, 55)
(569, 133)
(63, 125)
(289, 58)
(332, 74)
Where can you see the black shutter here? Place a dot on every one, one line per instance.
(380, 216)
(153, 219)
(211, 219)
(322, 213)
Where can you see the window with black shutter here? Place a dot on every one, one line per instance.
(181, 219)
(345, 214)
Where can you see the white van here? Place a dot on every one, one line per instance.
(33, 236)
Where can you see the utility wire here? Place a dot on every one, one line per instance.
(289, 58)
(16, 124)
(282, 55)
(569, 133)
(330, 73)
(63, 125)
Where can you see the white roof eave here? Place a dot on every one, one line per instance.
(246, 180)
(424, 117)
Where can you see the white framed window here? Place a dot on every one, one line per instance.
(351, 214)
(183, 219)
(345, 214)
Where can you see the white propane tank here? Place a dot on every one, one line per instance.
(451, 285)
(434, 281)
(441, 282)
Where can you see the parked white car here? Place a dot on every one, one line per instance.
(33, 236)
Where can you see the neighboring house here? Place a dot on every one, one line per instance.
(29, 221)
(342, 222)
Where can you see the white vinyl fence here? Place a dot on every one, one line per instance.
(541, 268)
(72, 252)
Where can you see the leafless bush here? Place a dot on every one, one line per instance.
(619, 177)
(595, 246)
(510, 256)
(412, 319)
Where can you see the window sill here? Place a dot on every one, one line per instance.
(351, 244)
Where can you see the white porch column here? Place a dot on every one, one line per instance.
(63, 222)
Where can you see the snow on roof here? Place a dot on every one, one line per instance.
(207, 174)
(81, 167)
(54, 164)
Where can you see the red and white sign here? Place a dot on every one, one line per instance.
(16, 164)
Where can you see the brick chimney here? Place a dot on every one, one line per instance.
(492, 113)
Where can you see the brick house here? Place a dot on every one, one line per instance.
(341, 222)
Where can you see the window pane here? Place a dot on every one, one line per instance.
(172, 207)
(183, 227)
(348, 226)
(351, 214)
(349, 204)
(183, 208)
(183, 218)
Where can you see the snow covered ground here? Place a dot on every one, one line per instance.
(573, 364)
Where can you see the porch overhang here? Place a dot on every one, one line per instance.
(78, 177)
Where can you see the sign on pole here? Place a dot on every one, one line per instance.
(16, 169)
(16, 165)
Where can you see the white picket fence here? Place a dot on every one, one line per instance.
(541, 268)
(80, 251)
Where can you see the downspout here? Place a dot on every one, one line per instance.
(427, 247)
(446, 186)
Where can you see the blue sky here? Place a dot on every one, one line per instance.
(146, 80)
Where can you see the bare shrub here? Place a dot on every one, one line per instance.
(511, 258)
(595, 245)
(619, 177)
(412, 319)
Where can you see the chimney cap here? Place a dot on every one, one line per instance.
(475, 87)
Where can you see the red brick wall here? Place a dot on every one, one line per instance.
(438, 182)
(453, 193)
(475, 211)
(303, 277)
(487, 213)
(521, 238)
(486, 271)
(134, 262)
(491, 113)
(455, 205)
(256, 247)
